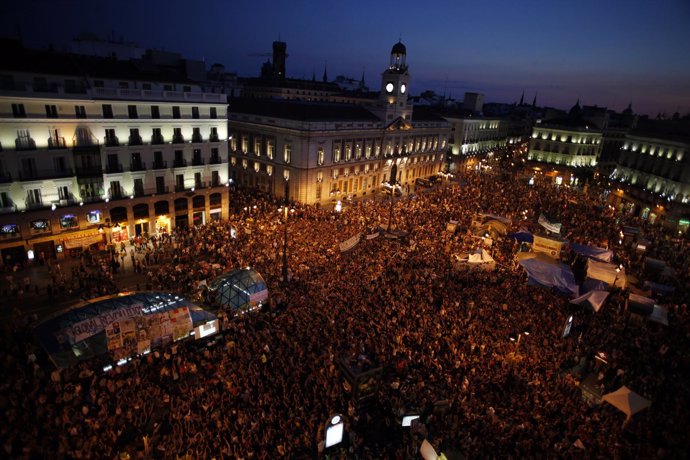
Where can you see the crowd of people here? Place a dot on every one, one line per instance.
(266, 386)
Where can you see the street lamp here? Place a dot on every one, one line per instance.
(517, 339)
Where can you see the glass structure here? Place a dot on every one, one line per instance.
(240, 290)
(78, 333)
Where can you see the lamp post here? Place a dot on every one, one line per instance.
(517, 339)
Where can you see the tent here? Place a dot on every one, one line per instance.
(659, 315)
(611, 274)
(488, 217)
(591, 284)
(547, 272)
(601, 254)
(522, 236)
(658, 288)
(626, 401)
(479, 259)
(595, 299)
(640, 304)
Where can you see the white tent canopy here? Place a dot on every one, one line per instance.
(610, 274)
(595, 299)
(626, 401)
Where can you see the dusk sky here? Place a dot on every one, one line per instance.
(606, 52)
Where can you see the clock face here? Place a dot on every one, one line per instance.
(390, 87)
(403, 88)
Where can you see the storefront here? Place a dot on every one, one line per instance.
(141, 216)
(162, 211)
(75, 242)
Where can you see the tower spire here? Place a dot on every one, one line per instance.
(534, 101)
(522, 98)
(325, 72)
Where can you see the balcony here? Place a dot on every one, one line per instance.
(179, 188)
(137, 166)
(45, 87)
(89, 171)
(9, 209)
(178, 139)
(113, 169)
(34, 204)
(213, 138)
(162, 190)
(199, 185)
(197, 161)
(214, 160)
(112, 141)
(25, 143)
(160, 165)
(5, 178)
(149, 95)
(135, 140)
(215, 182)
(85, 142)
(180, 163)
(45, 174)
(157, 140)
(196, 138)
(57, 143)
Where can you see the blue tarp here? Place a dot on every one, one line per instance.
(591, 284)
(551, 274)
(523, 236)
(604, 255)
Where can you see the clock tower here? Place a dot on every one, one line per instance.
(394, 86)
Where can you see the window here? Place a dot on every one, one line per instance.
(59, 164)
(187, 89)
(33, 197)
(157, 137)
(257, 146)
(319, 156)
(287, 153)
(214, 113)
(196, 135)
(51, 111)
(115, 189)
(63, 192)
(132, 111)
(98, 84)
(80, 111)
(195, 112)
(177, 135)
(138, 187)
(270, 149)
(214, 135)
(160, 184)
(176, 111)
(134, 137)
(167, 88)
(245, 144)
(146, 86)
(348, 152)
(18, 111)
(336, 154)
(215, 178)
(123, 85)
(155, 112)
(107, 111)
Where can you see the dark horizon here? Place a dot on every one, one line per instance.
(598, 53)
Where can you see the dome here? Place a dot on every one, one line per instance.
(399, 48)
(240, 290)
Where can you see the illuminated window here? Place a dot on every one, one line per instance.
(336, 154)
(287, 153)
(269, 170)
(257, 147)
(319, 156)
(348, 152)
(270, 149)
(245, 144)
(358, 151)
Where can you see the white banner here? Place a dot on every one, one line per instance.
(554, 227)
(350, 243)
(92, 326)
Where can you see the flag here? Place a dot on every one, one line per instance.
(550, 224)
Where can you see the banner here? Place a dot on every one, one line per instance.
(549, 224)
(350, 243)
(547, 246)
(81, 239)
(92, 326)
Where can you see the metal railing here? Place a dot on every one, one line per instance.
(159, 165)
(57, 143)
(137, 166)
(112, 169)
(180, 163)
(111, 141)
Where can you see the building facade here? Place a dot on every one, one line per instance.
(94, 151)
(653, 178)
(475, 139)
(319, 153)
